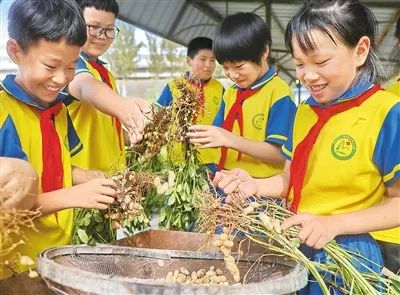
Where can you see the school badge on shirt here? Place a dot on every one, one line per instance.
(258, 121)
(343, 147)
(216, 100)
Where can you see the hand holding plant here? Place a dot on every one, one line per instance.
(97, 193)
(205, 136)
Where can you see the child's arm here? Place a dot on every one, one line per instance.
(317, 231)
(238, 179)
(204, 136)
(80, 176)
(128, 110)
(94, 194)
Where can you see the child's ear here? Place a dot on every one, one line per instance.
(266, 53)
(189, 61)
(361, 50)
(14, 51)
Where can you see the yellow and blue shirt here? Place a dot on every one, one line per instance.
(394, 87)
(20, 137)
(213, 92)
(355, 157)
(97, 131)
(267, 116)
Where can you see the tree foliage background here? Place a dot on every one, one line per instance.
(162, 56)
(123, 55)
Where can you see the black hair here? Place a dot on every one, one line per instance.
(52, 20)
(106, 5)
(397, 33)
(241, 37)
(197, 44)
(343, 20)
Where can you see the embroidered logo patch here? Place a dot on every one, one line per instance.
(258, 121)
(216, 100)
(343, 147)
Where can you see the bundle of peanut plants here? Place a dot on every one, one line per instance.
(179, 211)
(13, 222)
(92, 226)
(260, 221)
(167, 153)
(147, 156)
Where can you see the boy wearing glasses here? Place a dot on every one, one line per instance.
(97, 111)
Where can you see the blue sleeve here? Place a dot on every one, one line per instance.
(165, 98)
(219, 116)
(280, 120)
(287, 147)
(10, 144)
(387, 148)
(75, 145)
(81, 67)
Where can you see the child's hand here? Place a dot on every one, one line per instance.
(316, 230)
(19, 183)
(237, 184)
(132, 115)
(95, 194)
(205, 136)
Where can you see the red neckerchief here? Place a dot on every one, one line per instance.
(200, 86)
(300, 158)
(52, 172)
(235, 113)
(106, 79)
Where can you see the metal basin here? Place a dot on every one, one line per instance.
(125, 270)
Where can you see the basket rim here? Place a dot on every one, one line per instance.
(50, 270)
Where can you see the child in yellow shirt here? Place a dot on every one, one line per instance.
(45, 40)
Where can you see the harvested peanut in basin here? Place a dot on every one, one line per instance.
(212, 276)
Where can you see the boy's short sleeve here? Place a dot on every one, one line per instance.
(219, 116)
(387, 148)
(287, 147)
(10, 144)
(280, 120)
(75, 145)
(81, 67)
(165, 98)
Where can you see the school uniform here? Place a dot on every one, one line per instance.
(211, 93)
(265, 113)
(355, 156)
(395, 87)
(389, 240)
(101, 134)
(25, 132)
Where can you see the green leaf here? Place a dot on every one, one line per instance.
(184, 196)
(83, 236)
(179, 188)
(92, 242)
(171, 199)
(99, 227)
(86, 221)
(170, 191)
(162, 215)
(140, 218)
(98, 217)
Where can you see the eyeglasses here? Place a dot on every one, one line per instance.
(96, 31)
